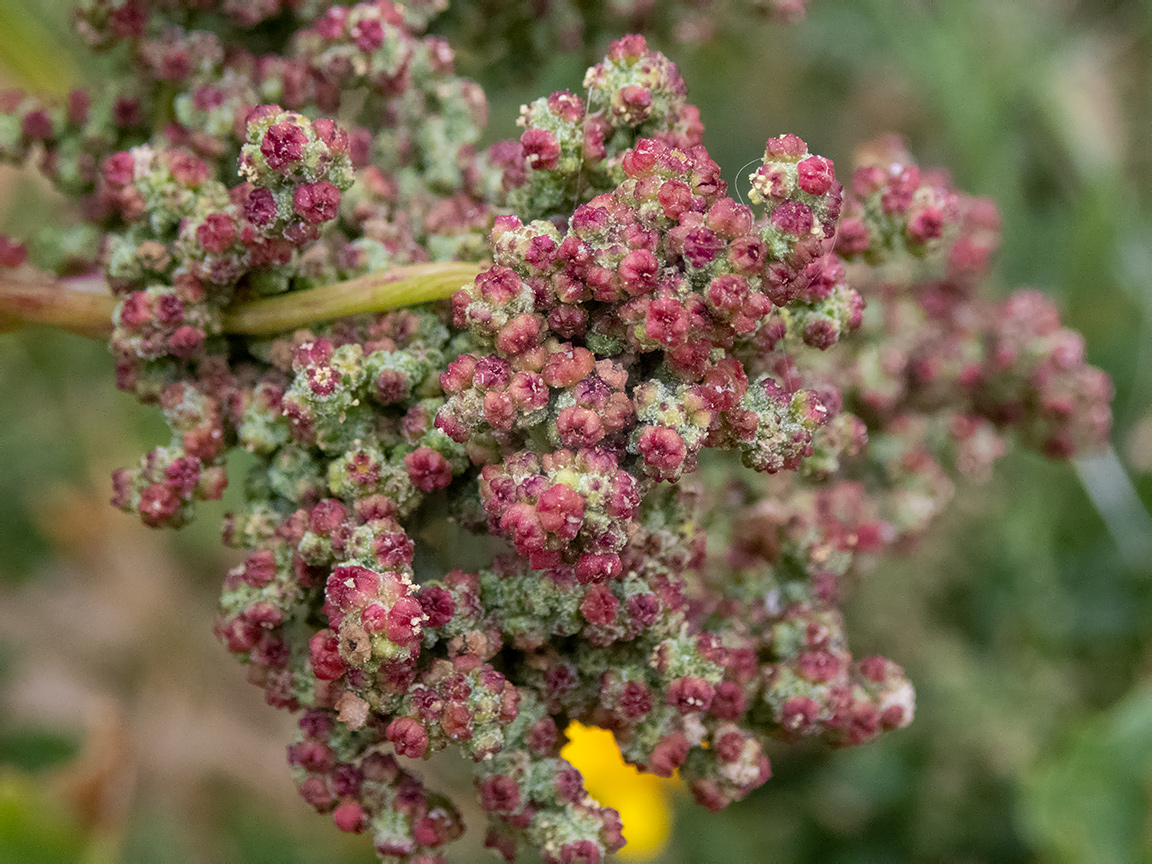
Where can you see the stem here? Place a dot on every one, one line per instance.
(55, 304)
(372, 292)
(90, 314)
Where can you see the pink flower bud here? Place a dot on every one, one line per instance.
(793, 218)
(519, 335)
(662, 449)
(283, 145)
(158, 505)
(428, 470)
(408, 737)
(600, 605)
(701, 246)
(404, 620)
(638, 272)
(597, 567)
(668, 755)
(349, 817)
(312, 756)
(541, 149)
(628, 48)
(634, 701)
(730, 747)
(729, 219)
(186, 342)
(561, 511)
(316, 203)
(260, 207)
(565, 367)
(437, 604)
(667, 321)
(327, 664)
(786, 148)
(499, 794)
(675, 196)
(579, 427)
(815, 175)
(635, 103)
(521, 522)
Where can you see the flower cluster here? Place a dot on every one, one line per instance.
(579, 411)
(571, 145)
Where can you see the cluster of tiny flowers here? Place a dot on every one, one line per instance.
(582, 407)
(571, 146)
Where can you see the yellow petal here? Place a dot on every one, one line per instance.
(640, 799)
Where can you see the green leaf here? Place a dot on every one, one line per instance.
(33, 827)
(1089, 801)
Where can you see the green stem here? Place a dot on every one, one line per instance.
(90, 314)
(373, 292)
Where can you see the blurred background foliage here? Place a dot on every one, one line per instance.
(1025, 619)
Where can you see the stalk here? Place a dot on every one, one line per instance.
(89, 313)
(86, 313)
(372, 292)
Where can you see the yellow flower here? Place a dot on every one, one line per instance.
(640, 799)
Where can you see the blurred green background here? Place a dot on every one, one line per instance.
(1025, 619)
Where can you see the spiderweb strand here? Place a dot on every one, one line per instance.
(739, 174)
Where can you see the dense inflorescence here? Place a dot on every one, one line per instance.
(580, 410)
